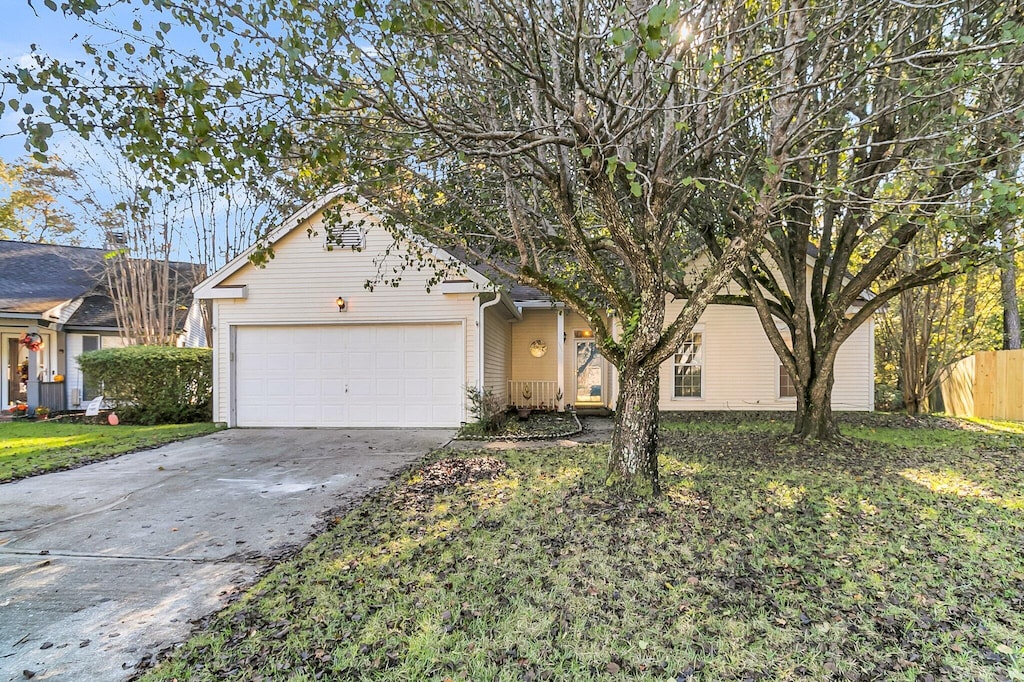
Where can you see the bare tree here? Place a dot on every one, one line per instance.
(224, 219)
(142, 230)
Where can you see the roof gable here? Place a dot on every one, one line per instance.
(308, 218)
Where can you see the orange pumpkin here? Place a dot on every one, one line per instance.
(58, 378)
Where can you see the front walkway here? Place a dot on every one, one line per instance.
(104, 566)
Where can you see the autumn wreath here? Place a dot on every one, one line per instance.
(32, 341)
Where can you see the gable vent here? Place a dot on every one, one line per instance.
(341, 236)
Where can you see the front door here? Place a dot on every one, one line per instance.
(16, 371)
(589, 373)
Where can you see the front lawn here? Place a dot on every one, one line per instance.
(28, 448)
(897, 557)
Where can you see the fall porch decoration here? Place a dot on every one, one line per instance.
(32, 340)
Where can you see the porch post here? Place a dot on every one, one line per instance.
(33, 378)
(560, 344)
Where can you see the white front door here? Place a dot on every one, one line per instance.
(349, 375)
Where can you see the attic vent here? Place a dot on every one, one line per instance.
(344, 236)
(116, 238)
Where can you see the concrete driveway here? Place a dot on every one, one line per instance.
(106, 565)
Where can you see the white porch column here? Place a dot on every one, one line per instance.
(33, 376)
(560, 343)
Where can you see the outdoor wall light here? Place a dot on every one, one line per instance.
(342, 304)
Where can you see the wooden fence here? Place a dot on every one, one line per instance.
(989, 385)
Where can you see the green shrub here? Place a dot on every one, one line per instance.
(153, 384)
(486, 409)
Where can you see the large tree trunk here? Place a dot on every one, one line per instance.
(633, 460)
(1011, 312)
(814, 418)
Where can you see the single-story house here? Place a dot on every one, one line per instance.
(301, 342)
(60, 294)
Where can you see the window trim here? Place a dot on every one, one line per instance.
(780, 368)
(697, 329)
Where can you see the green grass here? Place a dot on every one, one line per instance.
(30, 448)
(874, 561)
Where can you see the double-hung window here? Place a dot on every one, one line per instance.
(787, 389)
(688, 367)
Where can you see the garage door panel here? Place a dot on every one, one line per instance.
(349, 375)
(419, 414)
(387, 360)
(306, 360)
(415, 359)
(332, 390)
(306, 388)
(334, 359)
(360, 389)
(419, 389)
(279, 388)
(447, 360)
(389, 388)
(360, 360)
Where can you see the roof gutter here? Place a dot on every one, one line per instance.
(480, 316)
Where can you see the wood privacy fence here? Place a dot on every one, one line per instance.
(989, 385)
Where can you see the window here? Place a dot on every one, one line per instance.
(688, 367)
(90, 342)
(344, 236)
(787, 389)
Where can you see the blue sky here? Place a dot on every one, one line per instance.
(20, 28)
(61, 37)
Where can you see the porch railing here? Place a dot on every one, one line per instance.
(537, 395)
(52, 395)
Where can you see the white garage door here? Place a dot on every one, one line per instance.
(358, 375)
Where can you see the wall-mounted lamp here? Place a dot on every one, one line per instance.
(342, 304)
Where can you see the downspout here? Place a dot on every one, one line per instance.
(480, 315)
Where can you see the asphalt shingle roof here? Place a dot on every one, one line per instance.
(36, 277)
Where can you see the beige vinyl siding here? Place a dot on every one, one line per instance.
(299, 287)
(497, 346)
(855, 372)
(741, 368)
(538, 324)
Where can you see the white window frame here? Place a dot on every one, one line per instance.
(344, 237)
(698, 329)
(780, 368)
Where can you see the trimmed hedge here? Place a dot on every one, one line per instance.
(154, 384)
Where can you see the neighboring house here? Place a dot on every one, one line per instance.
(60, 293)
(286, 353)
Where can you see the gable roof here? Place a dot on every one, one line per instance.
(36, 278)
(479, 273)
(204, 288)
